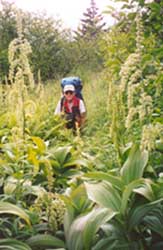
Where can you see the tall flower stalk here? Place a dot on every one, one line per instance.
(135, 117)
(116, 113)
(139, 101)
(20, 75)
(19, 50)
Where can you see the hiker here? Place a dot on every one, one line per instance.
(72, 108)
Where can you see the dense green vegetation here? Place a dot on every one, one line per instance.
(56, 51)
(101, 189)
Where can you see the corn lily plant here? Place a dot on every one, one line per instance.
(126, 209)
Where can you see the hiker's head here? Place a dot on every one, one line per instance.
(69, 91)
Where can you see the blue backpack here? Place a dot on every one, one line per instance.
(76, 81)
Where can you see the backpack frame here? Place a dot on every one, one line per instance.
(76, 81)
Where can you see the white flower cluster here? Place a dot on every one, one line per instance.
(50, 208)
(133, 85)
(139, 34)
(130, 81)
(146, 106)
(132, 112)
(128, 69)
(19, 50)
(150, 133)
(131, 72)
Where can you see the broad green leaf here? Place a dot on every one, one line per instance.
(135, 164)
(53, 130)
(79, 196)
(140, 186)
(76, 162)
(55, 164)
(114, 243)
(8, 208)
(47, 165)
(155, 224)
(77, 201)
(9, 188)
(12, 244)
(84, 228)
(113, 180)
(45, 240)
(10, 185)
(146, 190)
(61, 153)
(138, 213)
(95, 221)
(56, 249)
(154, 220)
(68, 219)
(104, 243)
(104, 194)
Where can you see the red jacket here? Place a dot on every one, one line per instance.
(72, 115)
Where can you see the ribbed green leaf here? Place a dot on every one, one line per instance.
(84, 228)
(12, 244)
(61, 153)
(154, 224)
(137, 213)
(68, 219)
(10, 185)
(8, 208)
(79, 197)
(155, 220)
(112, 243)
(133, 187)
(146, 190)
(76, 162)
(45, 240)
(115, 181)
(77, 201)
(104, 243)
(97, 218)
(135, 164)
(104, 194)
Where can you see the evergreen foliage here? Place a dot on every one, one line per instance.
(87, 37)
(92, 23)
(7, 34)
(102, 189)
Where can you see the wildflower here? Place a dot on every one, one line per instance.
(150, 133)
(130, 116)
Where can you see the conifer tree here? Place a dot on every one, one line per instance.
(91, 24)
(88, 36)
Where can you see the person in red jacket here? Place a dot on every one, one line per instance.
(72, 108)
